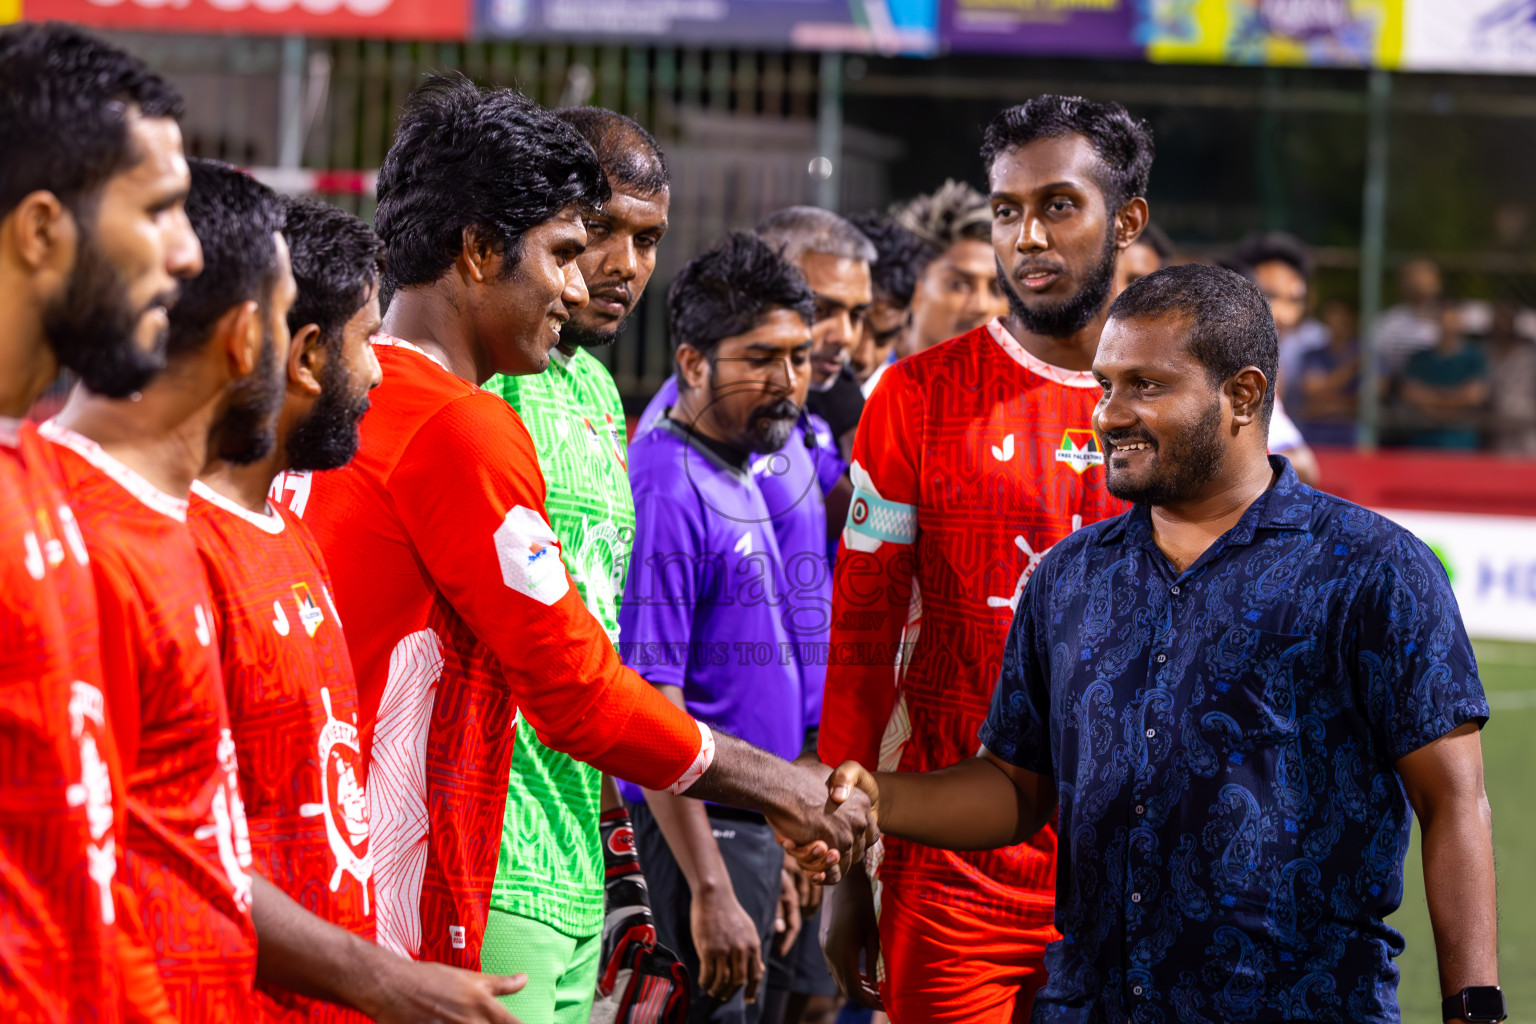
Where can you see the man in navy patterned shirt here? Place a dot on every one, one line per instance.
(1233, 693)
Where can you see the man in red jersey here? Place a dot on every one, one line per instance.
(129, 466)
(288, 675)
(92, 242)
(973, 458)
(437, 539)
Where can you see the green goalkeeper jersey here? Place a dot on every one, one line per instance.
(551, 864)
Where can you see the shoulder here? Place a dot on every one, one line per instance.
(1354, 540)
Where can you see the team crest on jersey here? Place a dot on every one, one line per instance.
(1080, 450)
(310, 614)
(345, 809)
(611, 435)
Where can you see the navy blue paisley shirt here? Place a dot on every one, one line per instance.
(1222, 740)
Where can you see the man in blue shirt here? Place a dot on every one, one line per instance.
(1232, 695)
(708, 609)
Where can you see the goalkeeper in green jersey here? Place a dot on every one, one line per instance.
(547, 904)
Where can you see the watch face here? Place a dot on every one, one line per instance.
(1484, 1003)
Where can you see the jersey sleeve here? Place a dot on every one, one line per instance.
(661, 593)
(469, 492)
(872, 586)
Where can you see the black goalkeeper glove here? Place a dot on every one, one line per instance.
(628, 926)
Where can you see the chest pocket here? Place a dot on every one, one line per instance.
(1251, 691)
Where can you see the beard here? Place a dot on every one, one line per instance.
(248, 430)
(1076, 311)
(1180, 466)
(327, 438)
(583, 337)
(770, 425)
(92, 327)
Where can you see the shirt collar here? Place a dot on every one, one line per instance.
(1285, 505)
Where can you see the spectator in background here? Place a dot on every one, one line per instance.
(902, 258)
(1281, 265)
(1445, 388)
(958, 291)
(834, 257)
(1512, 368)
(1414, 324)
(1327, 390)
(1151, 252)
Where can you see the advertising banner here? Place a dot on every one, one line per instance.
(857, 26)
(1492, 564)
(1358, 33)
(1068, 28)
(1470, 35)
(387, 19)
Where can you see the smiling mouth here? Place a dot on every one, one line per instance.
(1127, 447)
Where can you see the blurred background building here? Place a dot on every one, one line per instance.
(1394, 139)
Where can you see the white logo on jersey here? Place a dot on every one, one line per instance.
(296, 482)
(72, 535)
(229, 829)
(87, 719)
(744, 546)
(345, 806)
(279, 618)
(456, 936)
(397, 789)
(1031, 561)
(34, 555)
(1005, 453)
(204, 624)
(530, 556)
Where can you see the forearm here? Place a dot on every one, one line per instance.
(303, 953)
(750, 778)
(685, 826)
(1459, 886)
(973, 806)
(609, 795)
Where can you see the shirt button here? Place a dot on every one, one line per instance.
(1151, 733)
(1175, 590)
(1136, 991)
(1162, 658)
(1141, 809)
(1135, 897)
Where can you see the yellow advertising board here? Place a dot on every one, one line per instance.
(1348, 33)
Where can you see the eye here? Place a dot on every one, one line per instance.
(799, 357)
(1059, 205)
(645, 242)
(1004, 213)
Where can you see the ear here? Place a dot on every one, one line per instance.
(692, 367)
(1130, 221)
(1246, 390)
(240, 327)
(476, 255)
(43, 232)
(306, 359)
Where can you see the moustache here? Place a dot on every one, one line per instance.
(616, 293)
(782, 409)
(1038, 267)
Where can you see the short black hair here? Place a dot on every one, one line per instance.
(1274, 247)
(1123, 143)
(903, 256)
(337, 260)
(65, 97)
(630, 157)
(727, 290)
(1230, 325)
(462, 157)
(235, 217)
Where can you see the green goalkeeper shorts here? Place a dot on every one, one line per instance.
(562, 971)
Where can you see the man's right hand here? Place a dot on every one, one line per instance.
(838, 829)
(852, 947)
(726, 940)
(849, 785)
(414, 992)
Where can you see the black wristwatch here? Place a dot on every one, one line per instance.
(1480, 1004)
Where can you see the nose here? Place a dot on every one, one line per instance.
(574, 294)
(1112, 414)
(183, 252)
(623, 262)
(372, 372)
(1032, 235)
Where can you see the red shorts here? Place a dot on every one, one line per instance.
(948, 965)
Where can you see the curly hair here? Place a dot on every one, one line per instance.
(953, 212)
(464, 158)
(337, 260)
(1123, 144)
(727, 290)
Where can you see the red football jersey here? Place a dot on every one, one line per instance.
(461, 612)
(293, 708)
(972, 459)
(58, 828)
(188, 855)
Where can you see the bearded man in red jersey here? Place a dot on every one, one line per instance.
(973, 458)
